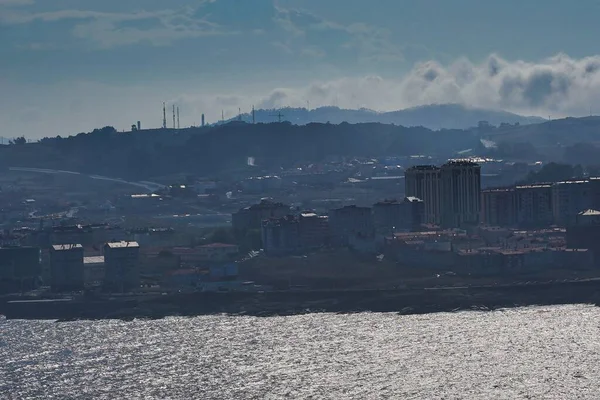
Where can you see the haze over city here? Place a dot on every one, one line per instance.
(71, 66)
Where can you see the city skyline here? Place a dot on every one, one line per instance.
(73, 66)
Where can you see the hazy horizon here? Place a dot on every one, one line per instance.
(71, 66)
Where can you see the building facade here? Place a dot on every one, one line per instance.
(534, 205)
(281, 236)
(314, 230)
(460, 194)
(20, 268)
(423, 182)
(121, 264)
(499, 207)
(350, 221)
(67, 271)
(251, 218)
(392, 216)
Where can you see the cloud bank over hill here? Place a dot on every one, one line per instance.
(558, 86)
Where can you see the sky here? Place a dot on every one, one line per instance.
(69, 66)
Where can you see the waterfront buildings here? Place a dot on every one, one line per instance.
(534, 205)
(281, 236)
(20, 268)
(423, 182)
(314, 230)
(391, 216)
(66, 268)
(499, 207)
(569, 198)
(351, 221)
(121, 262)
(460, 194)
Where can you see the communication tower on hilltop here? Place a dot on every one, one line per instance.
(178, 126)
(279, 116)
(202, 119)
(173, 116)
(164, 116)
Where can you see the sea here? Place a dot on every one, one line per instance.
(522, 353)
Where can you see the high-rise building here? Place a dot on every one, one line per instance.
(499, 207)
(423, 182)
(460, 193)
(534, 205)
(66, 268)
(121, 266)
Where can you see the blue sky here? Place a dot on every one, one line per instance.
(71, 65)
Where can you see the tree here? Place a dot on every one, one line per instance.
(18, 141)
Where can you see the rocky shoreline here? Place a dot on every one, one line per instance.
(283, 303)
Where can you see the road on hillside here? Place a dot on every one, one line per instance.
(148, 186)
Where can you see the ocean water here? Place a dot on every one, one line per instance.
(527, 353)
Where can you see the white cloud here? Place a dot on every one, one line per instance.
(559, 85)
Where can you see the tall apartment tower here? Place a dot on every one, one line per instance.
(423, 182)
(460, 194)
(66, 266)
(121, 266)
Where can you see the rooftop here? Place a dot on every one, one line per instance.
(423, 168)
(589, 213)
(122, 244)
(64, 247)
(534, 186)
(308, 215)
(218, 245)
(93, 260)
(460, 163)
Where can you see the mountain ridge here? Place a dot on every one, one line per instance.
(434, 116)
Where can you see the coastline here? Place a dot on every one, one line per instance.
(285, 303)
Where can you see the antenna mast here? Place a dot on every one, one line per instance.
(178, 126)
(173, 116)
(164, 116)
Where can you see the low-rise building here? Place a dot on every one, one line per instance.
(93, 270)
(66, 268)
